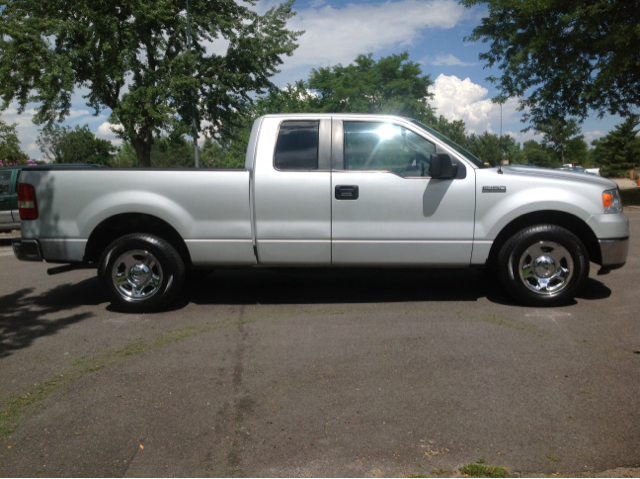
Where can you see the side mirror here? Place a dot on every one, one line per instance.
(441, 167)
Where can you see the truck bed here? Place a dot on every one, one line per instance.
(209, 209)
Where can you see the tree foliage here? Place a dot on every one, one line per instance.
(454, 130)
(557, 132)
(393, 85)
(564, 57)
(536, 154)
(133, 59)
(296, 98)
(126, 156)
(492, 149)
(10, 152)
(619, 150)
(577, 151)
(63, 144)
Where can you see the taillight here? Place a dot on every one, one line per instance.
(27, 204)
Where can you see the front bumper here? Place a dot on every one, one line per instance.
(614, 252)
(27, 249)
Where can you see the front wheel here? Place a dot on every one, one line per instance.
(141, 273)
(543, 265)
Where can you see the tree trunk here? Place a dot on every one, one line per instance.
(142, 146)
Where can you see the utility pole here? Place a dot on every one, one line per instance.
(193, 97)
(501, 152)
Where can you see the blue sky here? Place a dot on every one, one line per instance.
(433, 33)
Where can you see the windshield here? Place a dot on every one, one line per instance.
(472, 158)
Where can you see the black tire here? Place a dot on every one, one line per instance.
(141, 273)
(543, 265)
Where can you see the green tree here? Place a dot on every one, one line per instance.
(393, 85)
(486, 147)
(232, 151)
(556, 133)
(173, 152)
(619, 150)
(510, 148)
(10, 152)
(577, 151)
(126, 156)
(454, 130)
(564, 57)
(597, 152)
(63, 144)
(536, 154)
(134, 60)
(296, 98)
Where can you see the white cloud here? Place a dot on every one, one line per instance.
(105, 130)
(449, 60)
(77, 114)
(457, 99)
(23, 120)
(32, 147)
(589, 136)
(218, 46)
(338, 35)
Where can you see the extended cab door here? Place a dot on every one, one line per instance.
(386, 210)
(291, 191)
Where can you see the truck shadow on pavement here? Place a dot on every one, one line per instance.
(25, 317)
(322, 286)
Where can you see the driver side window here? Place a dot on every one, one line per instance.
(380, 146)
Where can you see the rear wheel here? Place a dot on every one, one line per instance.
(141, 273)
(543, 265)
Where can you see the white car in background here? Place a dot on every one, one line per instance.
(580, 169)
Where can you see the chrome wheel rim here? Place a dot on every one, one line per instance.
(546, 267)
(137, 275)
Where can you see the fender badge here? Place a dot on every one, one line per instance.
(494, 189)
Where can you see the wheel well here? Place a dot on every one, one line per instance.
(119, 225)
(558, 218)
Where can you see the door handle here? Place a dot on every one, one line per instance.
(347, 192)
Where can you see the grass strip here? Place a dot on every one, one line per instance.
(11, 411)
(480, 469)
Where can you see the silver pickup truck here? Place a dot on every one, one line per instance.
(326, 191)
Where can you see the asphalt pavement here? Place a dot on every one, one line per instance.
(318, 373)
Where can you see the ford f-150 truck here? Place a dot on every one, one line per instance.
(326, 191)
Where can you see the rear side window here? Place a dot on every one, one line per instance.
(297, 146)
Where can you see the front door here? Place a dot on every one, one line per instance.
(386, 210)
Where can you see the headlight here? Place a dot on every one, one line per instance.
(611, 201)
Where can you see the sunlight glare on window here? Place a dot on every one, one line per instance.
(387, 131)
